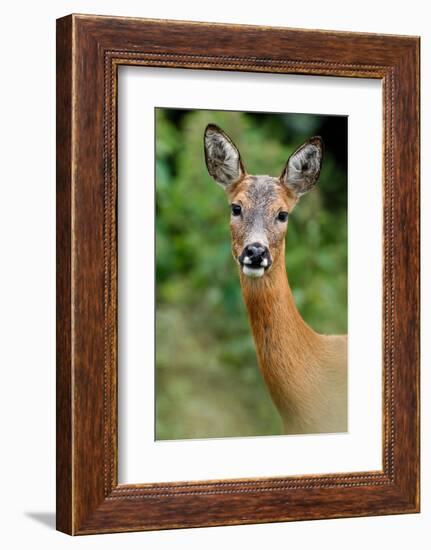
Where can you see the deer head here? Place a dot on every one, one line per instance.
(260, 205)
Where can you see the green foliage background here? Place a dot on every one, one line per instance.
(207, 379)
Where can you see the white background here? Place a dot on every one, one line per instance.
(27, 274)
(141, 458)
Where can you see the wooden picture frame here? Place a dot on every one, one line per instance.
(89, 51)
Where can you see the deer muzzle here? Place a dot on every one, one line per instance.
(255, 259)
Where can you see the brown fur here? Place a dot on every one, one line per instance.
(305, 372)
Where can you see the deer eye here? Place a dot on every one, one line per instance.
(236, 209)
(282, 216)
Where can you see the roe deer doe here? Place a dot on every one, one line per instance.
(305, 372)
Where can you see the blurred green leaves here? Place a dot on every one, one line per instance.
(208, 383)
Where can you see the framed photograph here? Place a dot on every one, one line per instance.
(237, 274)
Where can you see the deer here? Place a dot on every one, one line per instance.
(304, 371)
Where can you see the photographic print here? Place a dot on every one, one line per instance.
(215, 183)
(251, 273)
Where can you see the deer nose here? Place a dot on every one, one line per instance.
(256, 255)
(254, 250)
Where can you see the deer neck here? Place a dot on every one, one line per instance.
(287, 348)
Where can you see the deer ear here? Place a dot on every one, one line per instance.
(222, 158)
(303, 167)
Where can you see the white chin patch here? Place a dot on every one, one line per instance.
(250, 272)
